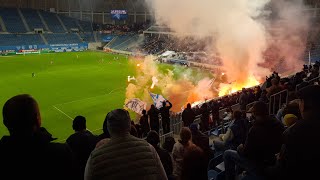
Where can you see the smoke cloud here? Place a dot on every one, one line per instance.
(290, 25)
(174, 85)
(241, 30)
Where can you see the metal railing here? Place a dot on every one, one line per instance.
(302, 85)
(250, 105)
(277, 100)
(164, 136)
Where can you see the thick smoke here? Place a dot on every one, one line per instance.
(187, 87)
(290, 25)
(241, 30)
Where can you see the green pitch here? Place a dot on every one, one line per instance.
(66, 85)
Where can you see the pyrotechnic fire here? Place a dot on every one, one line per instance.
(154, 81)
(230, 88)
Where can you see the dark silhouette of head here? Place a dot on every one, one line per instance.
(237, 115)
(153, 138)
(144, 112)
(21, 115)
(79, 123)
(152, 106)
(309, 100)
(118, 122)
(259, 110)
(194, 164)
(168, 143)
(185, 135)
(188, 106)
(194, 127)
(164, 103)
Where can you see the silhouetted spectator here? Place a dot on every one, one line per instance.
(289, 120)
(168, 144)
(201, 140)
(165, 115)
(204, 120)
(153, 114)
(123, 155)
(194, 166)
(133, 130)
(314, 72)
(263, 97)
(301, 143)
(82, 142)
(263, 142)
(28, 152)
(243, 99)
(144, 123)
(235, 135)
(257, 92)
(188, 116)
(275, 87)
(179, 148)
(154, 139)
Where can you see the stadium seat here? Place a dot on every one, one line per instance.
(20, 39)
(33, 19)
(69, 23)
(215, 173)
(87, 36)
(86, 26)
(12, 20)
(52, 21)
(62, 38)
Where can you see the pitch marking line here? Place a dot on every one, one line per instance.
(63, 112)
(111, 92)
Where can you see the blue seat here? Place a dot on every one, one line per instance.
(33, 19)
(62, 38)
(215, 173)
(12, 20)
(52, 21)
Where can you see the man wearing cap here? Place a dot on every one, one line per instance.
(300, 153)
(123, 156)
(264, 140)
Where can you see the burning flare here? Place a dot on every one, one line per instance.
(233, 87)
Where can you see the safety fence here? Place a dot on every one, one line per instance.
(312, 81)
(276, 101)
(164, 136)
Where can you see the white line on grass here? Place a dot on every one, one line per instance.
(111, 92)
(63, 112)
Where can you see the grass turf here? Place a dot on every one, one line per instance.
(74, 84)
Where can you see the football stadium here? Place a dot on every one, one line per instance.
(159, 89)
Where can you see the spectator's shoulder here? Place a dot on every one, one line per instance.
(59, 147)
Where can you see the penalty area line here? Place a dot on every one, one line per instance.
(62, 112)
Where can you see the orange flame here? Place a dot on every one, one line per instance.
(233, 87)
